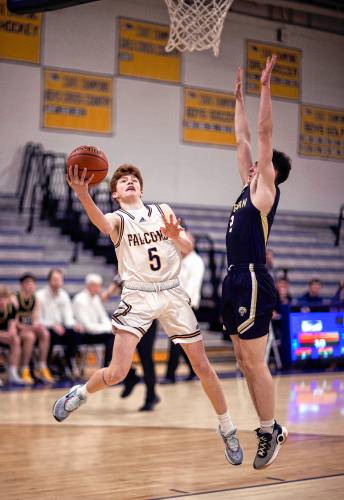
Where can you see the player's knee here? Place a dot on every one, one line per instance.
(202, 367)
(252, 367)
(115, 375)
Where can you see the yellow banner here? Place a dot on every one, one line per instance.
(141, 51)
(285, 78)
(77, 101)
(208, 117)
(321, 132)
(20, 36)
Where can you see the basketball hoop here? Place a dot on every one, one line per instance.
(196, 24)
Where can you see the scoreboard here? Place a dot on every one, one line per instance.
(316, 336)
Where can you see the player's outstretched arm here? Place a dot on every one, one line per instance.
(80, 187)
(242, 130)
(265, 167)
(174, 231)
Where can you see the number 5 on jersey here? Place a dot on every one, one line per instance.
(154, 259)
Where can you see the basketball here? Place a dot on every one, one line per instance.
(91, 158)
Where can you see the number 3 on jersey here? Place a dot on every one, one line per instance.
(231, 220)
(154, 259)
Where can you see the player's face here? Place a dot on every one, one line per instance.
(29, 286)
(128, 187)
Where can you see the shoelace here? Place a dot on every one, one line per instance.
(264, 444)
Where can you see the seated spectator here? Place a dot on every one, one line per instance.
(338, 298)
(283, 302)
(270, 266)
(283, 296)
(91, 315)
(312, 297)
(8, 334)
(56, 313)
(28, 325)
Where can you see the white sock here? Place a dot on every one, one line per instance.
(83, 391)
(13, 371)
(267, 425)
(42, 365)
(226, 424)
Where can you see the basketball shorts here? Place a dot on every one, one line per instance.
(137, 310)
(248, 298)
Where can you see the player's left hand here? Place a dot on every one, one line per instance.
(266, 73)
(172, 227)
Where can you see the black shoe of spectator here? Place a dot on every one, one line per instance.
(191, 376)
(168, 380)
(129, 386)
(149, 404)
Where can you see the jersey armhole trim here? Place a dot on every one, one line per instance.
(121, 229)
(159, 209)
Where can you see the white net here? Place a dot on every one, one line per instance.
(196, 24)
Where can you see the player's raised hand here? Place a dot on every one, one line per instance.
(238, 84)
(266, 73)
(78, 182)
(172, 227)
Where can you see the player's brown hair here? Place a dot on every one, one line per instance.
(5, 292)
(122, 170)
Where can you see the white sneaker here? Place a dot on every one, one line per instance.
(68, 403)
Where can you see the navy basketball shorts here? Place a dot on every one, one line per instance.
(248, 298)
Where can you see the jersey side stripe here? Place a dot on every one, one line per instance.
(265, 225)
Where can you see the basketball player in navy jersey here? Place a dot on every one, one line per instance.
(148, 241)
(248, 290)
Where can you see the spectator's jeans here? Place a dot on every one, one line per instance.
(107, 339)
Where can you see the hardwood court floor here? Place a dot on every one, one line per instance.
(108, 450)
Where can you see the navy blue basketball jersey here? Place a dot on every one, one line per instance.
(248, 230)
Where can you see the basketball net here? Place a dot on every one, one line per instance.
(196, 24)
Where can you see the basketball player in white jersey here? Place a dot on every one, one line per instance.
(148, 240)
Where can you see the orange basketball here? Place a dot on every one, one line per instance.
(91, 158)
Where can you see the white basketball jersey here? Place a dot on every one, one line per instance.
(143, 252)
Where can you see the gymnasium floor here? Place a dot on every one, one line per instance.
(108, 450)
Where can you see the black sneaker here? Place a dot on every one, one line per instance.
(129, 385)
(150, 404)
(269, 446)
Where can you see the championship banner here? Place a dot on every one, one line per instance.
(141, 52)
(208, 117)
(285, 78)
(321, 132)
(20, 36)
(77, 101)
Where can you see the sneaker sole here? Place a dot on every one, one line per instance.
(55, 417)
(281, 439)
